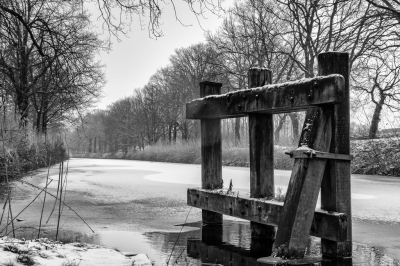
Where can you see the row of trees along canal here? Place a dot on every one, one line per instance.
(48, 73)
(47, 61)
(282, 35)
(48, 69)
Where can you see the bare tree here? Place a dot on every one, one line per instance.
(378, 78)
(117, 15)
(387, 8)
(250, 36)
(58, 77)
(190, 66)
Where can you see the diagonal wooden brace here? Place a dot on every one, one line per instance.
(305, 183)
(307, 153)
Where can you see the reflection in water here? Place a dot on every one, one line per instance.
(173, 248)
(238, 250)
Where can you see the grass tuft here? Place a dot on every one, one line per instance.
(12, 248)
(26, 259)
(279, 195)
(70, 263)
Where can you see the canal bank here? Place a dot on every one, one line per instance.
(134, 206)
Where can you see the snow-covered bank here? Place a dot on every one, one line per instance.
(48, 253)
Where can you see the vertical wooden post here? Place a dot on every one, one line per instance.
(261, 135)
(211, 153)
(336, 187)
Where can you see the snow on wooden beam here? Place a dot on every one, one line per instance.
(276, 98)
(326, 225)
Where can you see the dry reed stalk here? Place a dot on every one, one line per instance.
(4, 208)
(10, 210)
(65, 184)
(66, 205)
(44, 200)
(59, 205)
(58, 189)
(176, 241)
(28, 205)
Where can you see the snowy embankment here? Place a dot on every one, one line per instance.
(51, 253)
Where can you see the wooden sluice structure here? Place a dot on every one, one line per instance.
(321, 162)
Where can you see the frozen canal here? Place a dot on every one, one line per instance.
(134, 206)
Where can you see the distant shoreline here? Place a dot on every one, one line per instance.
(371, 157)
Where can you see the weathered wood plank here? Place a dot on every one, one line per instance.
(305, 182)
(211, 152)
(336, 185)
(261, 137)
(277, 98)
(261, 140)
(327, 225)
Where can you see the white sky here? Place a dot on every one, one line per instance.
(136, 58)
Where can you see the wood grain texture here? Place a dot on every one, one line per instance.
(261, 141)
(327, 225)
(261, 138)
(277, 98)
(305, 182)
(336, 185)
(261, 147)
(211, 153)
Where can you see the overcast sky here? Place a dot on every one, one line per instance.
(135, 58)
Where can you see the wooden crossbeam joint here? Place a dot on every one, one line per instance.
(326, 225)
(307, 153)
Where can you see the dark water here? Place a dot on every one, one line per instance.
(187, 248)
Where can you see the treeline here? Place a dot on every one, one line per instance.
(285, 36)
(48, 74)
(48, 70)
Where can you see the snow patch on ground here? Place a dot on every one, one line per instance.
(48, 253)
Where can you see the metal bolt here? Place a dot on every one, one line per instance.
(259, 208)
(291, 99)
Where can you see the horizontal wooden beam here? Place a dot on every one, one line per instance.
(276, 98)
(327, 225)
